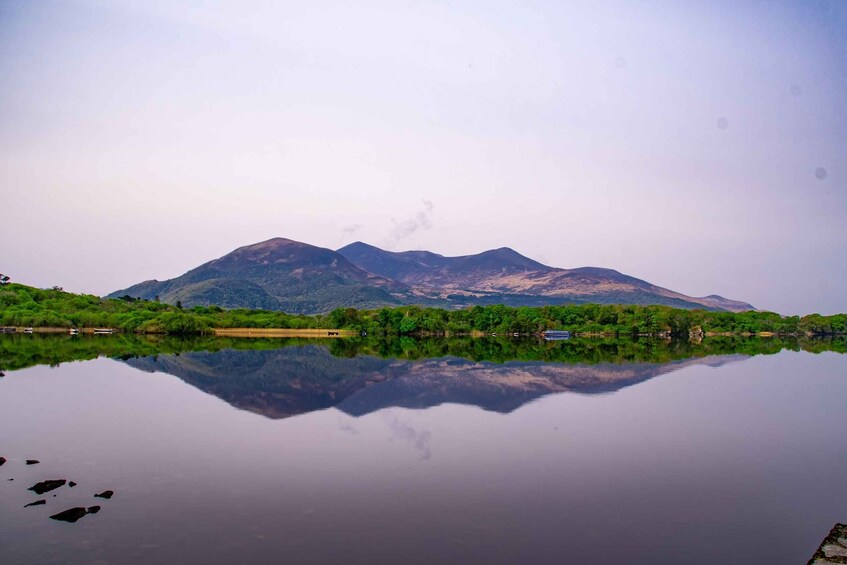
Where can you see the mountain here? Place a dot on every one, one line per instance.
(514, 279)
(278, 274)
(281, 274)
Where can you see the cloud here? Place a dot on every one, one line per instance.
(421, 221)
(350, 230)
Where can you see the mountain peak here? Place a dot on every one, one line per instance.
(273, 243)
(358, 246)
(504, 258)
(277, 250)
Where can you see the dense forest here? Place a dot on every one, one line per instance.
(23, 306)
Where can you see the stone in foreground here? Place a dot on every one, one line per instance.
(46, 486)
(70, 515)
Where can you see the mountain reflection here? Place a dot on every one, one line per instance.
(299, 379)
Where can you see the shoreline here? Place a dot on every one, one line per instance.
(346, 333)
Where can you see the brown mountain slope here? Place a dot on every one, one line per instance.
(504, 271)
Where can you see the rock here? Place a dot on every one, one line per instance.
(2, 460)
(47, 486)
(70, 515)
(36, 503)
(832, 549)
(32, 461)
(93, 509)
(107, 494)
(72, 484)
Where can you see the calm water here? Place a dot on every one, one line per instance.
(296, 455)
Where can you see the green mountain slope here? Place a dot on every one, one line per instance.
(278, 274)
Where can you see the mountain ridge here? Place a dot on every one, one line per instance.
(283, 274)
(517, 274)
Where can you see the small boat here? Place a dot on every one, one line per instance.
(103, 331)
(73, 331)
(27, 330)
(551, 335)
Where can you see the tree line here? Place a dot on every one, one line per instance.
(591, 319)
(22, 305)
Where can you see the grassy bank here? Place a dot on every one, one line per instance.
(282, 332)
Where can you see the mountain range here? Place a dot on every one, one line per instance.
(282, 274)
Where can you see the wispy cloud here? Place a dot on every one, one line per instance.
(421, 221)
(350, 230)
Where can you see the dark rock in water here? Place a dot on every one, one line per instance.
(107, 494)
(72, 484)
(2, 460)
(32, 461)
(70, 515)
(47, 486)
(36, 503)
(93, 509)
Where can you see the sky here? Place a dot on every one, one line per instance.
(701, 146)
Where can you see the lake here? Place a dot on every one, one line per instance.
(446, 451)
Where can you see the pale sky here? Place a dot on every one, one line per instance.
(701, 146)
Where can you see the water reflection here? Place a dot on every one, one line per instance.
(744, 463)
(283, 378)
(495, 375)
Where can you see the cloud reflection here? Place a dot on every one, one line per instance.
(405, 432)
